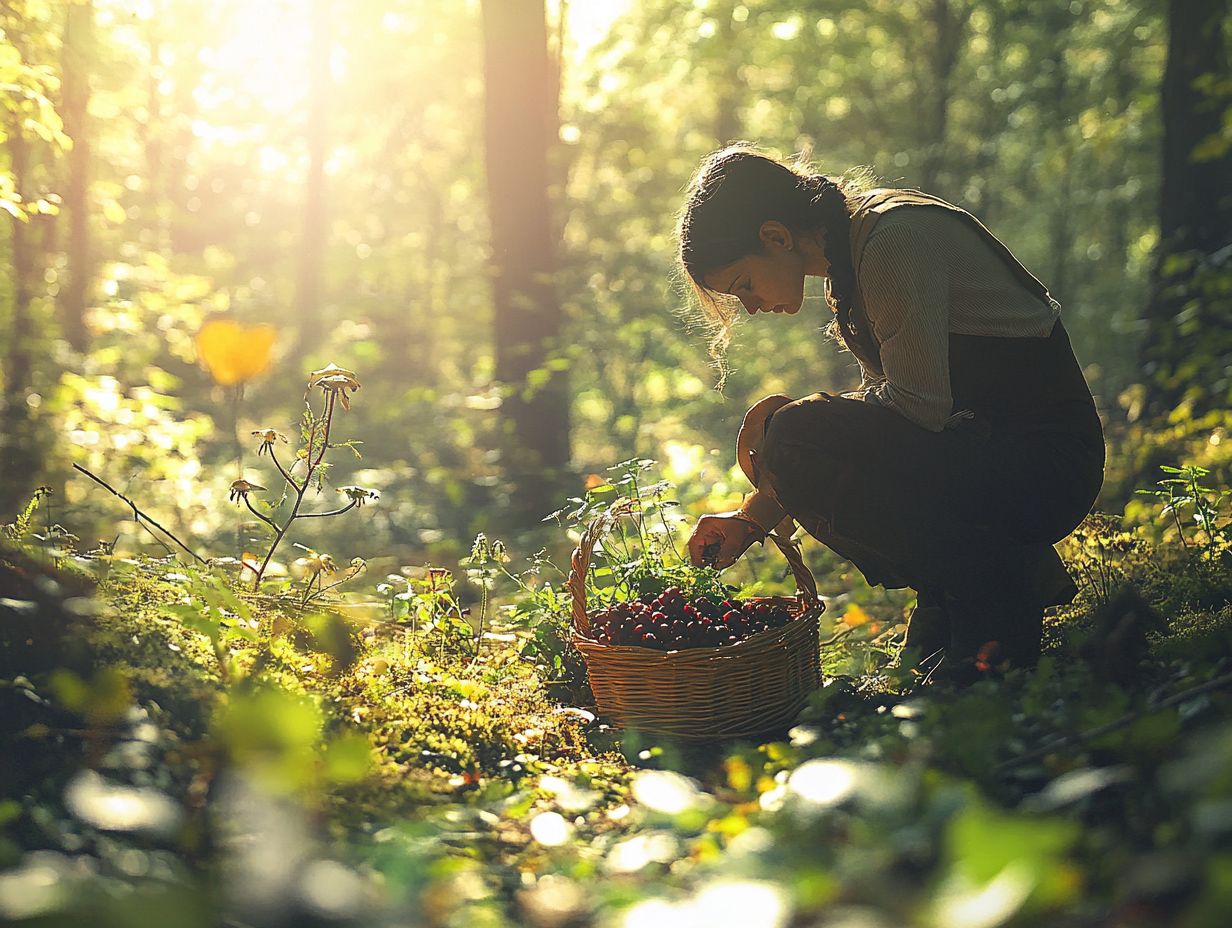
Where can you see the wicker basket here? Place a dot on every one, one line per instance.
(749, 688)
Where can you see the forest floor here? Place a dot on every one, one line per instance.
(182, 753)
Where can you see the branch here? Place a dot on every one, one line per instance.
(138, 515)
(282, 470)
(266, 519)
(1127, 719)
(333, 512)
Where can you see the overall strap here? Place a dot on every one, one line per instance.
(875, 204)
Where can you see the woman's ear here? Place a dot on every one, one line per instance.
(774, 233)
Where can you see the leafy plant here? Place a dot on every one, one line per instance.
(310, 466)
(427, 605)
(1097, 552)
(637, 554)
(210, 606)
(486, 560)
(1183, 490)
(20, 527)
(321, 574)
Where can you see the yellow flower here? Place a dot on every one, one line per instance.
(235, 353)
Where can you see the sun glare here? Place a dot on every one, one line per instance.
(264, 55)
(588, 23)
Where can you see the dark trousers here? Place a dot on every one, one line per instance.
(967, 517)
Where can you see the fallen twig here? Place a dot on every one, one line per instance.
(1128, 718)
(138, 515)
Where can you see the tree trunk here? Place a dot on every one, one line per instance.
(521, 124)
(16, 448)
(76, 56)
(728, 85)
(1195, 215)
(948, 30)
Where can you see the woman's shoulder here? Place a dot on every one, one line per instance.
(888, 219)
(877, 203)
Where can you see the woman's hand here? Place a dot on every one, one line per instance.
(719, 540)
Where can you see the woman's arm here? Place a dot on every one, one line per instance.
(904, 281)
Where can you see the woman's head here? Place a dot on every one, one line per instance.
(750, 227)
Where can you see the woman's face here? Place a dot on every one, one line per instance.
(769, 282)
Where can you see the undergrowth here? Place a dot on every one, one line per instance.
(195, 753)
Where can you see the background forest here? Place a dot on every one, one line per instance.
(454, 221)
(320, 168)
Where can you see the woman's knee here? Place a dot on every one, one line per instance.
(802, 453)
(825, 424)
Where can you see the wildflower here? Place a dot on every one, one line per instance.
(241, 488)
(360, 495)
(234, 353)
(335, 379)
(268, 437)
(313, 564)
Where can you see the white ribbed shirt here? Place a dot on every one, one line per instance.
(925, 274)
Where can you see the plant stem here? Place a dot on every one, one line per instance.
(351, 575)
(138, 515)
(308, 589)
(329, 418)
(299, 490)
(671, 534)
(1176, 517)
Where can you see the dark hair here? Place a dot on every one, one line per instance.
(736, 190)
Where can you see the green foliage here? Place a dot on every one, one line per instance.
(20, 526)
(427, 608)
(1182, 491)
(637, 552)
(1102, 553)
(210, 606)
(447, 772)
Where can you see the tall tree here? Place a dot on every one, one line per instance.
(18, 361)
(521, 124)
(1188, 310)
(946, 23)
(29, 123)
(76, 57)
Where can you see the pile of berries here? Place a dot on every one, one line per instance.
(668, 622)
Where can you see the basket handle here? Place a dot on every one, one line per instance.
(579, 564)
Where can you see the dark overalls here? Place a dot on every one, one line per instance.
(967, 516)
